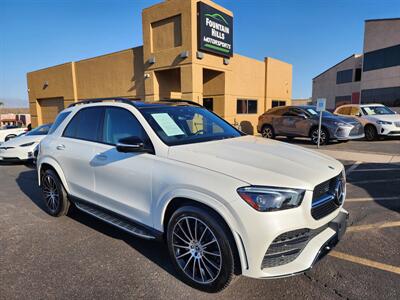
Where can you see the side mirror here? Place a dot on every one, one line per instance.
(131, 144)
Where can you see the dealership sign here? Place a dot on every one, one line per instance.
(215, 30)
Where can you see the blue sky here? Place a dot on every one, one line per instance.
(312, 35)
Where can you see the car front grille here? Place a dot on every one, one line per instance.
(288, 246)
(324, 200)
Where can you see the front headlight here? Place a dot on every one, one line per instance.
(271, 198)
(27, 144)
(383, 122)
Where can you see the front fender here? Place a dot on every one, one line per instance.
(55, 165)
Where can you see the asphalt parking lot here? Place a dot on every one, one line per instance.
(80, 257)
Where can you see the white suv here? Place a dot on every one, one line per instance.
(225, 203)
(377, 119)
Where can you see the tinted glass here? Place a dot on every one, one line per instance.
(252, 106)
(208, 103)
(60, 118)
(177, 125)
(344, 110)
(357, 76)
(41, 130)
(85, 125)
(120, 123)
(241, 106)
(344, 76)
(388, 96)
(382, 58)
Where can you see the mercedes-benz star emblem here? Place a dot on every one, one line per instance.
(339, 192)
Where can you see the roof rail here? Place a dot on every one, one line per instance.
(182, 101)
(98, 100)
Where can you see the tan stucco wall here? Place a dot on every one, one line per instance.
(377, 35)
(129, 73)
(116, 74)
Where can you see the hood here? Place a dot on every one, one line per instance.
(20, 140)
(343, 119)
(388, 118)
(259, 161)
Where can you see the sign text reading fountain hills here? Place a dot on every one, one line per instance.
(215, 30)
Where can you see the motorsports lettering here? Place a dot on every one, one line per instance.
(215, 31)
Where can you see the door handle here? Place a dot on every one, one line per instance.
(101, 157)
(60, 147)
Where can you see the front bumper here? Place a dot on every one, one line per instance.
(388, 130)
(344, 133)
(15, 155)
(261, 230)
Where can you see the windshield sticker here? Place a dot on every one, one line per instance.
(311, 111)
(167, 124)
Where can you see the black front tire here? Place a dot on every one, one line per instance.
(55, 197)
(225, 260)
(371, 134)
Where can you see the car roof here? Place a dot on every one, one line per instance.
(360, 105)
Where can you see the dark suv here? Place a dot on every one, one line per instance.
(302, 121)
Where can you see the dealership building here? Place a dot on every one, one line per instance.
(371, 77)
(187, 53)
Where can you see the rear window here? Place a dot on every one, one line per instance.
(60, 118)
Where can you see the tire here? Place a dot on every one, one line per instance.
(268, 132)
(324, 136)
(55, 197)
(187, 252)
(371, 134)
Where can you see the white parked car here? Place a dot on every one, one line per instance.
(10, 131)
(377, 119)
(22, 147)
(225, 203)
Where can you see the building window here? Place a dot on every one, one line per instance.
(276, 103)
(341, 100)
(208, 103)
(389, 96)
(382, 58)
(344, 76)
(244, 106)
(357, 76)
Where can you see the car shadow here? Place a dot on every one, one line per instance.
(156, 251)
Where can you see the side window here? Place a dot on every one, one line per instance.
(60, 118)
(344, 110)
(281, 111)
(120, 123)
(354, 110)
(86, 124)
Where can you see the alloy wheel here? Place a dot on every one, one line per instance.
(51, 193)
(196, 250)
(267, 132)
(314, 137)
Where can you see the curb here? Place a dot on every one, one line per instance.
(362, 156)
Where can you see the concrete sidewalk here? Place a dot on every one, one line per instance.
(362, 156)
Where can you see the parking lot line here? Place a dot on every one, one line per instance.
(365, 262)
(372, 199)
(375, 181)
(353, 167)
(377, 170)
(373, 226)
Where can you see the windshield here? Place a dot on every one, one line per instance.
(41, 130)
(178, 125)
(313, 112)
(377, 110)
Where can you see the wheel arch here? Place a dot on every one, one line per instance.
(315, 126)
(51, 164)
(234, 238)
